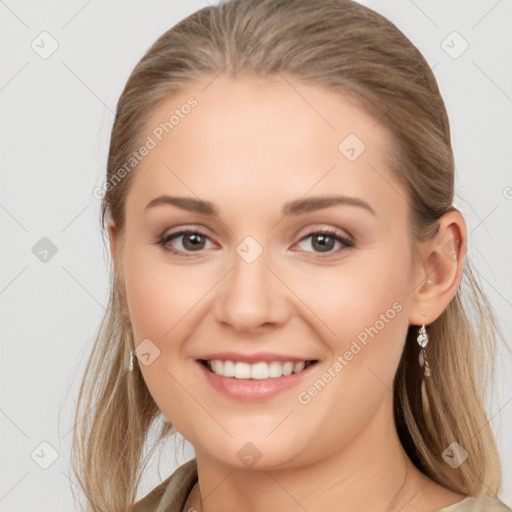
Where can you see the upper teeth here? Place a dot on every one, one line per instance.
(261, 370)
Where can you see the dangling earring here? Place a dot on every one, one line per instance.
(130, 343)
(131, 361)
(422, 342)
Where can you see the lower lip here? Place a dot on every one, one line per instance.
(253, 389)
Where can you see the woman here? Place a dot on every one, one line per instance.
(290, 276)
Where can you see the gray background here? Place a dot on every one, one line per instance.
(57, 113)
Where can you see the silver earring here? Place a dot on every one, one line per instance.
(131, 361)
(422, 340)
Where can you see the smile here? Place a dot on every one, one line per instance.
(259, 371)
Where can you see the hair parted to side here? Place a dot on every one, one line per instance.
(345, 47)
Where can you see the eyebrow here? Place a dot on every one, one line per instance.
(297, 207)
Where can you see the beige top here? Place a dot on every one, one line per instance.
(172, 493)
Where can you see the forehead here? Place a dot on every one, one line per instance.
(263, 136)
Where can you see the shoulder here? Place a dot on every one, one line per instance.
(478, 504)
(171, 494)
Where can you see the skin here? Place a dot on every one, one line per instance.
(250, 146)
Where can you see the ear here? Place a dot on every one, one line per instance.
(113, 239)
(440, 269)
(112, 236)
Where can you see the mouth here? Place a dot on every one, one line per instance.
(257, 371)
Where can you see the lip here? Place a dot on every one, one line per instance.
(254, 389)
(259, 357)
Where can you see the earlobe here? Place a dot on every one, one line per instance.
(442, 266)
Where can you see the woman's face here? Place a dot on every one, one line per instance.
(255, 279)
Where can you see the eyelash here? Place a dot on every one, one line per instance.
(346, 242)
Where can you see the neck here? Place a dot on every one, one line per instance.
(372, 472)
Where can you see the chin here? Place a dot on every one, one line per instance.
(259, 454)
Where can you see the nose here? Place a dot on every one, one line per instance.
(251, 297)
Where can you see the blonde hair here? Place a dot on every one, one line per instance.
(348, 48)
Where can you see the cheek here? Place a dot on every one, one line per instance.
(363, 306)
(158, 294)
(353, 296)
(161, 302)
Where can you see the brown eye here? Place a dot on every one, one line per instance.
(322, 242)
(193, 241)
(326, 241)
(185, 242)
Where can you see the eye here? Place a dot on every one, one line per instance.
(191, 241)
(187, 241)
(325, 241)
